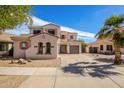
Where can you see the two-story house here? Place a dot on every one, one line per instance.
(45, 42)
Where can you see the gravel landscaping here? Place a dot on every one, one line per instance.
(33, 63)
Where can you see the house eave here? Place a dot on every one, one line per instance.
(19, 38)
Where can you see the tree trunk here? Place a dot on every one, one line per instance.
(117, 59)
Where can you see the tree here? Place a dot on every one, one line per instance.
(13, 16)
(114, 29)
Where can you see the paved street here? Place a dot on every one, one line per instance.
(76, 71)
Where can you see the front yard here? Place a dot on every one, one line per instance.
(33, 63)
(74, 71)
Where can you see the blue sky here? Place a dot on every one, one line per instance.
(86, 20)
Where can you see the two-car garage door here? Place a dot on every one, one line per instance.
(74, 49)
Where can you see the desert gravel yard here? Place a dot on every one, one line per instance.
(74, 71)
(33, 63)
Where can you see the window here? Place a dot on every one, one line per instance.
(23, 45)
(2, 47)
(51, 31)
(48, 48)
(101, 47)
(40, 48)
(109, 48)
(36, 31)
(62, 36)
(71, 37)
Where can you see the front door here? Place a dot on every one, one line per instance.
(95, 49)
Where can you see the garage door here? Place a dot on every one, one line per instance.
(74, 49)
(63, 49)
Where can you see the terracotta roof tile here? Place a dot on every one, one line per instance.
(5, 37)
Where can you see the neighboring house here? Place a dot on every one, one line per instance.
(5, 43)
(101, 46)
(45, 42)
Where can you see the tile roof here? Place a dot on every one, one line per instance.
(5, 37)
(100, 41)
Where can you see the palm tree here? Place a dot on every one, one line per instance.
(114, 29)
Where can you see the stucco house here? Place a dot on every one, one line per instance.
(104, 46)
(5, 43)
(44, 42)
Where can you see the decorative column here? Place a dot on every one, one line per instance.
(104, 47)
(87, 49)
(68, 48)
(80, 49)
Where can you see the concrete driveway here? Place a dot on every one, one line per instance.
(76, 71)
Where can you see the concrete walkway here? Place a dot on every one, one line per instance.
(76, 71)
(27, 71)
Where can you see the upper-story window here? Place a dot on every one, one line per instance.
(71, 37)
(51, 31)
(36, 31)
(62, 36)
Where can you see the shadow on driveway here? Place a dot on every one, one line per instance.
(93, 69)
(106, 60)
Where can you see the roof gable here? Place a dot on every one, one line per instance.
(39, 27)
(51, 24)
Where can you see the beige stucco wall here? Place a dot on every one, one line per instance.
(32, 52)
(50, 26)
(10, 46)
(72, 34)
(67, 35)
(18, 52)
(122, 50)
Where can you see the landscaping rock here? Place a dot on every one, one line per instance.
(12, 62)
(21, 61)
(29, 60)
